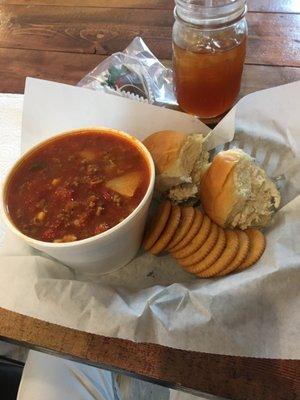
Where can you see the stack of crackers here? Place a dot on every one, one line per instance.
(199, 245)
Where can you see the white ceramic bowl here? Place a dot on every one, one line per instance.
(101, 253)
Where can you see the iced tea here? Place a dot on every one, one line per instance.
(208, 83)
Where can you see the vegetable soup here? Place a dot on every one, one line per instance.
(76, 186)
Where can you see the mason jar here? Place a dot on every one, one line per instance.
(209, 46)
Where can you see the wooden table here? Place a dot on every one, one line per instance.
(62, 40)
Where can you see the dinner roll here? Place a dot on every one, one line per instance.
(180, 160)
(235, 192)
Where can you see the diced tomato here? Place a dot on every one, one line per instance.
(30, 204)
(101, 228)
(49, 235)
(56, 224)
(64, 194)
(81, 220)
(105, 194)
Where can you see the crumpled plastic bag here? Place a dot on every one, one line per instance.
(134, 73)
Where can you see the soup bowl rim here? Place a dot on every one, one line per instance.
(137, 143)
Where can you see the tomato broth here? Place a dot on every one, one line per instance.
(76, 186)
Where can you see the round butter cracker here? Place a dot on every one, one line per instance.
(203, 251)
(196, 242)
(257, 247)
(167, 234)
(244, 246)
(211, 257)
(228, 254)
(157, 224)
(186, 220)
(191, 233)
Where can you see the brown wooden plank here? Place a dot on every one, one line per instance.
(282, 6)
(273, 38)
(91, 30)
(237, 378)
(259, 77)
(16, 64)
(156, 4)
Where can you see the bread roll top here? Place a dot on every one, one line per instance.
(235, 192)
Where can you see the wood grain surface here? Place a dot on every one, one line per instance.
(282, 6)
(62, 40)
(15, 64)
(107, 30)
(237, 378)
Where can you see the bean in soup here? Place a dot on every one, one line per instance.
(76, 186)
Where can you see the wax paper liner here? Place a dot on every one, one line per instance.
(252, 313)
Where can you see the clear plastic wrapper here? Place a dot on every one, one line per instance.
(134, 73)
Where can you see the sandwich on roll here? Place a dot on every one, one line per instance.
(235, 192)
(180, 161)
